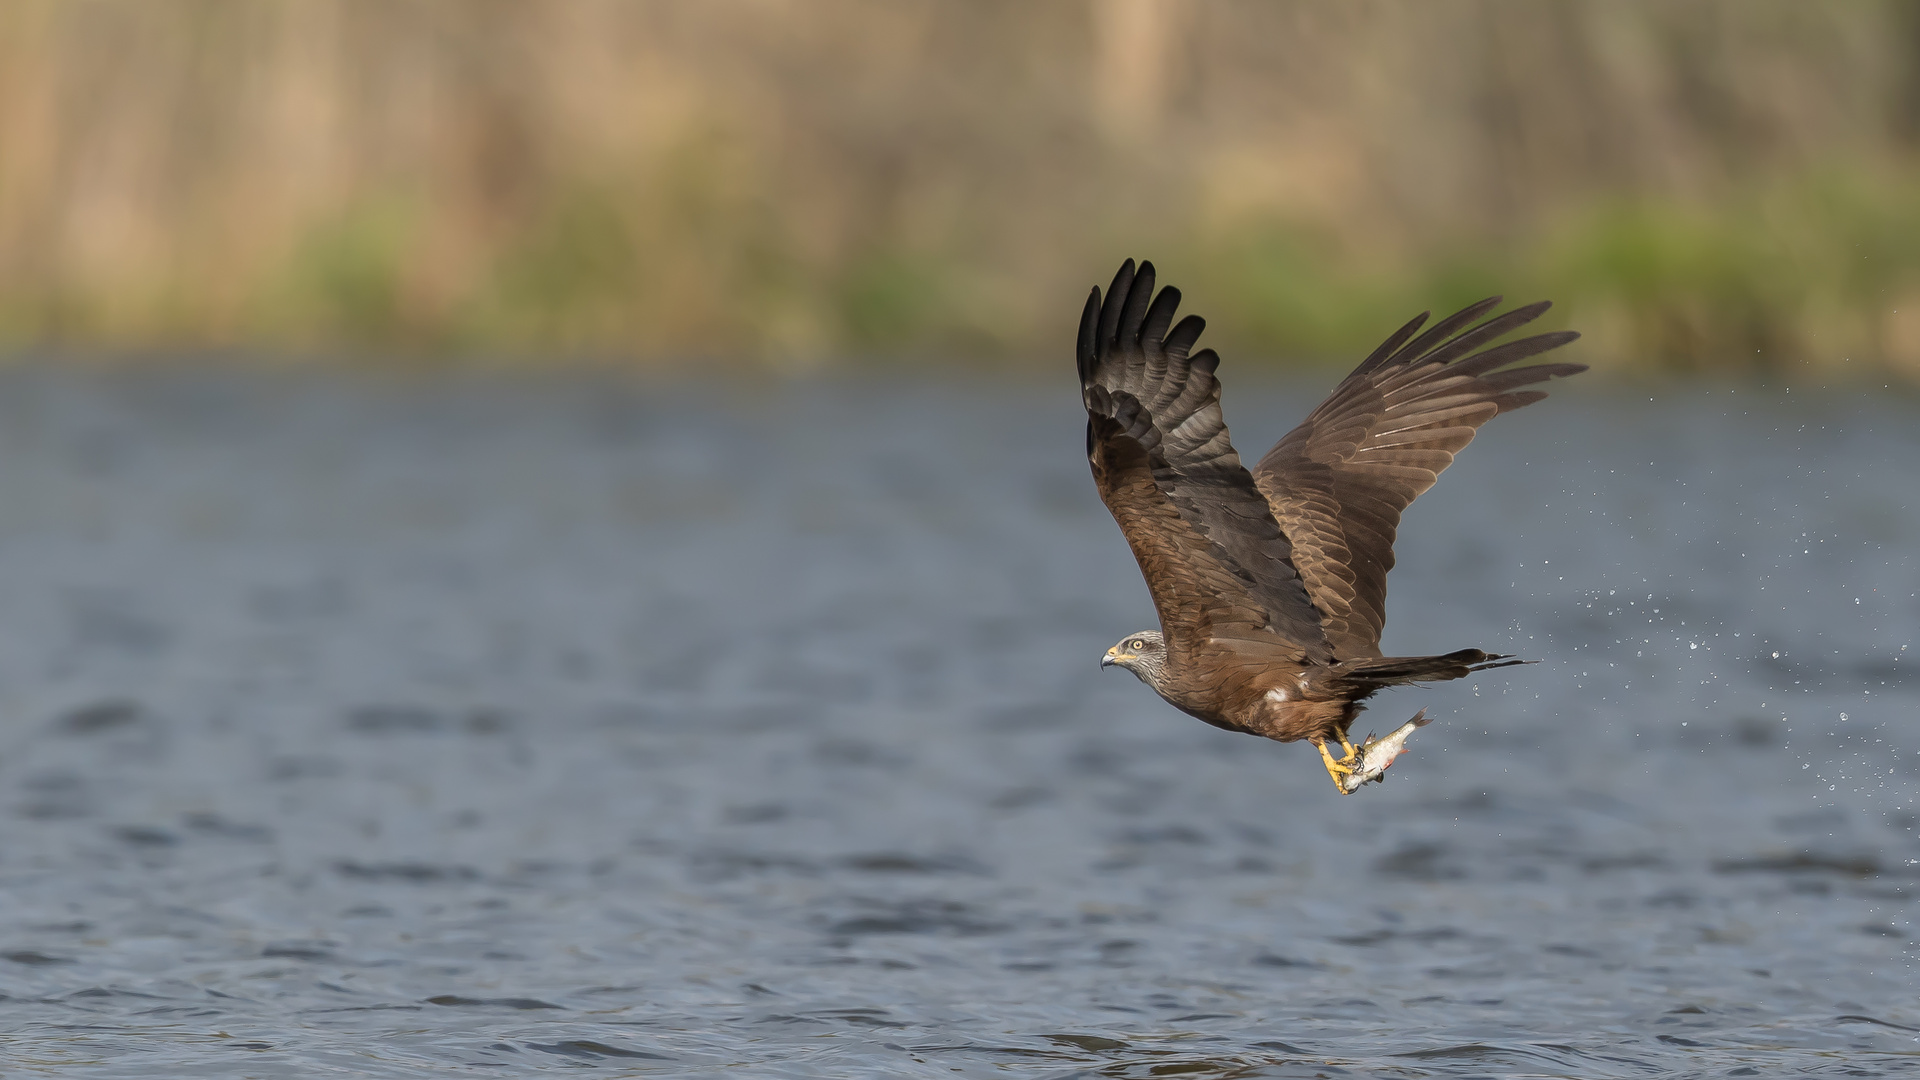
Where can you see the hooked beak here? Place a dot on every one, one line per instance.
(1112, 659)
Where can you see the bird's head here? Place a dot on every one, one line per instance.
(1144, 653)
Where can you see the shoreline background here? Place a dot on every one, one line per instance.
(1709, 187)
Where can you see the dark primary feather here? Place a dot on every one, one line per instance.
(1142, 385)
(1339, 482)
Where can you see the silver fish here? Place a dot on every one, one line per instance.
(1377, 754)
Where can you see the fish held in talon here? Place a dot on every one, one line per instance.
(1271, 583)
(1377, 755)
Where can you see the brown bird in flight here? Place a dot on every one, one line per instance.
(1271, 585)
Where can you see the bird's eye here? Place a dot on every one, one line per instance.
(1137, 644)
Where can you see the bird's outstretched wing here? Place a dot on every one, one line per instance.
(1339, 482)
(1205, 538)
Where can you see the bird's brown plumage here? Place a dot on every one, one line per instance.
(1270, 584)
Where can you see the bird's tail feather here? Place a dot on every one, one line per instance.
(1394, 670)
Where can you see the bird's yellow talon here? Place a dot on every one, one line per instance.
(1334, 768)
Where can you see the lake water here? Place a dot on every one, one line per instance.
(495, 727)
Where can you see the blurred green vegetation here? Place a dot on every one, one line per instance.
(1822, 268)
(1701, 185)
(343, 277)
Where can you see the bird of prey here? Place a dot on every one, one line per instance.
(1271, 583)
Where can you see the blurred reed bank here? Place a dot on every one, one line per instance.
(1722, 186)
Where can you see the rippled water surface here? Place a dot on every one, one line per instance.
(507, 727)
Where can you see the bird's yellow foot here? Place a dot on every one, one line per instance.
(1336, 769)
